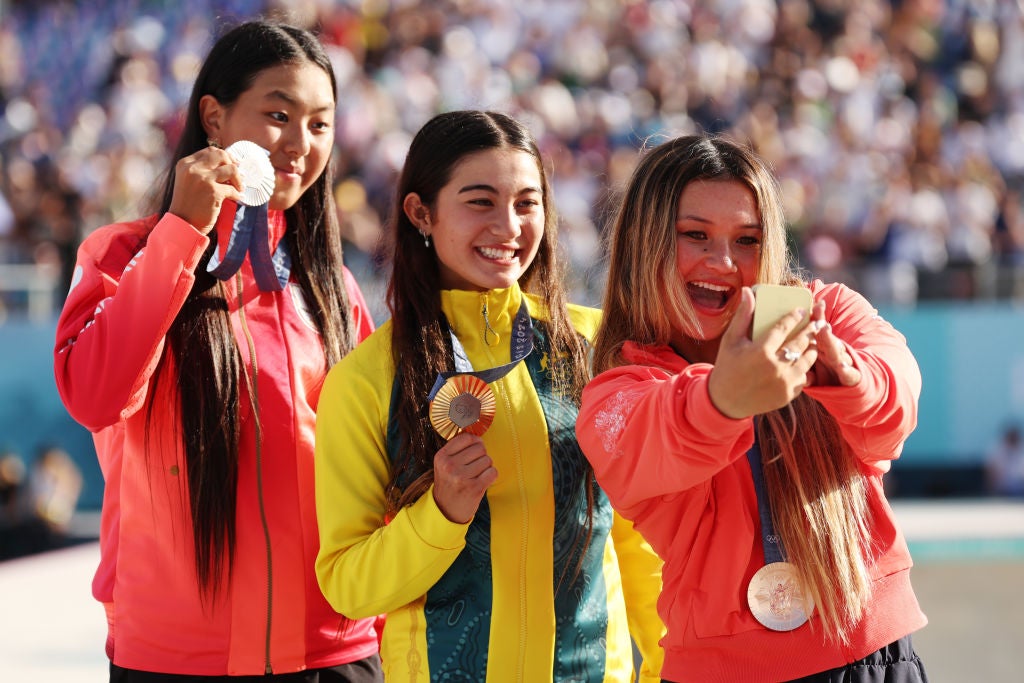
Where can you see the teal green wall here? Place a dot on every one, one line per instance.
(972, 364)
(31, 414)
(971, 357)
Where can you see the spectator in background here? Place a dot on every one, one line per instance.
(1004, 464)
(38, 503)
(55, 484)
(12, 506)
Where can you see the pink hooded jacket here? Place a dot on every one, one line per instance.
(677, 467)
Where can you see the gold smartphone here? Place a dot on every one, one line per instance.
(772, 302)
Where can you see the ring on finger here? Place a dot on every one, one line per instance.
(789, 355)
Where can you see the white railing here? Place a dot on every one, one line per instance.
(38, 282)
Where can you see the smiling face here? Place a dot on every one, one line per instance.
(718, 251)
(289, 111)
(487, 221)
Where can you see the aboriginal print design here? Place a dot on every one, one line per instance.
(581, 601)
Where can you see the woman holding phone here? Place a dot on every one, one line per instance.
(752, 464)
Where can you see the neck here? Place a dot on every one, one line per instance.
(695, 350)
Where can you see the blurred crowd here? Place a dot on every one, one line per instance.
(896, 128)
(37, 502)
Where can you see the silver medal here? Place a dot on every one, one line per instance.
(256, 170)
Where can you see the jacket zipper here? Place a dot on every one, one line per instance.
(254, 388)
(523, 501)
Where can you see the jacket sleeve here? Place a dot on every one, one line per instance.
(649, 433)
(366, 567)
(110, 334)
(878, 414)
(640, 568)
(362, 320)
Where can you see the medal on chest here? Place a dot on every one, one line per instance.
(777, 599)
(775, 595)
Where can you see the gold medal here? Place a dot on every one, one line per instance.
(777, 598)
(256, 170)
(464, 404)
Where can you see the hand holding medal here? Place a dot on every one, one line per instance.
(249, 228)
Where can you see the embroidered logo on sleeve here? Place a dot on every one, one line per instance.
(611, 420)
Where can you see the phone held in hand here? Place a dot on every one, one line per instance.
(772, 302)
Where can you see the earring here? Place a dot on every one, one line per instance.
(426, 239)
(213, 143)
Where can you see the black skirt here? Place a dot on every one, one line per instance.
(895, 663)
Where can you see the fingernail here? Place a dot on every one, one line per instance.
(819, 325)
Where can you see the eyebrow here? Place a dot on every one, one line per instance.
(282, 95)
(701, 219)
(489, 188)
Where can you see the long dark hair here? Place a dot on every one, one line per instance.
(208, 365)
(419, 345)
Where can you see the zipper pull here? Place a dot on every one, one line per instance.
(487, 324)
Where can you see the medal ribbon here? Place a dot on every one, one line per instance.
(773, 549)
(250, 234)
(521, 347)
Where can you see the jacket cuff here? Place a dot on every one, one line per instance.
(432, 527)
(175, 234)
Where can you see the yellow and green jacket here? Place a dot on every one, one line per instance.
(478, 601)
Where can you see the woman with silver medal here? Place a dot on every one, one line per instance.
(451, 492)
(743, 417)
(193, 345)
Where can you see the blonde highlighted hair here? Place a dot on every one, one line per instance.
(816, 490)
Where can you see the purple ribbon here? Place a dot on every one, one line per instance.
(250, 233)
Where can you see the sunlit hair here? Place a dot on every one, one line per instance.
(645, 300)
(208, 364)
(817, 493)
(420, 346)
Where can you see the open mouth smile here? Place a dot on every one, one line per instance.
(708, 295)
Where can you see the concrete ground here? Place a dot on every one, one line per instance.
(968, 576)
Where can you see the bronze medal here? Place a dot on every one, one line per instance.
(777, 598)
(256, 170)
(464, 404)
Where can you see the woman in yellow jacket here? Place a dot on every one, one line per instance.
(450, 490)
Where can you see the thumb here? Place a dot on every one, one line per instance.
(739, 326)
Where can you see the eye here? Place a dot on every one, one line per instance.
(749, 241)
(278, 116)
(480, 201)
(528, 204)
(695, 235)
(320, 125)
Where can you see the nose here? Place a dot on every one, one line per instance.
(507, 223)
(297, 142)
(719, 257)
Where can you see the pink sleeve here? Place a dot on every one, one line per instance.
(649, 433)
(362, 321)
(110, 334)
(878, 414)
